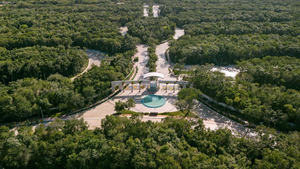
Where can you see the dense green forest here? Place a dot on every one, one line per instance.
(261, 37)
(40, 62)
(280, 71)
(43, 43)
(26, 98)
(223, 32)
(66, 23)
(131, 143)
(151, 29)
(275, 106)
(228, 49)
(226, 12)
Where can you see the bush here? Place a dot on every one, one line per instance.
(136, 59)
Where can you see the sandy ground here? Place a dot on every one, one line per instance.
(229, 71)
(145, 11)
(155, 10)
(178, 32)
(95, 58)
(124, 30)
(142, 54)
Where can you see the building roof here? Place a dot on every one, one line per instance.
(153, 74)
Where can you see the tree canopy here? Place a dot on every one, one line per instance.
(131, 143)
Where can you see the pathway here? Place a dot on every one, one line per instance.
(145, 11)
(95, 58)
(155, 10)
(163, 65)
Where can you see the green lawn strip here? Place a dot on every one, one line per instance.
(173, 114)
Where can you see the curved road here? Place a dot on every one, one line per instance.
(95, 58)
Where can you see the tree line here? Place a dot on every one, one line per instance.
(130, 143)
(228, 49)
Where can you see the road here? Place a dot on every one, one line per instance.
(142, 54)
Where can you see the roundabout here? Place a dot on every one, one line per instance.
(153, 101)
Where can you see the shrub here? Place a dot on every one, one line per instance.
(136, 59)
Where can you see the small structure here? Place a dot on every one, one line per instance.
(153, 84)
(153, 74)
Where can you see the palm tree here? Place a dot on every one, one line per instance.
(140, 82)
(174, 86)
(167, 86)
(132, 86)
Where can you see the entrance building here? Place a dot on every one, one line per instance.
(151, 80)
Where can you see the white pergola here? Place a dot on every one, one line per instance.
(153, 74)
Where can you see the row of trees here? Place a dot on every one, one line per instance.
(152, 58)
(228, 49)
(131, 143)
(275, 106)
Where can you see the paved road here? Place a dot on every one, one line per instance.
(142, 54)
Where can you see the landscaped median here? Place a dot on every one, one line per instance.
(177, 114)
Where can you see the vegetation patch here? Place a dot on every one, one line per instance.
(180, 114)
